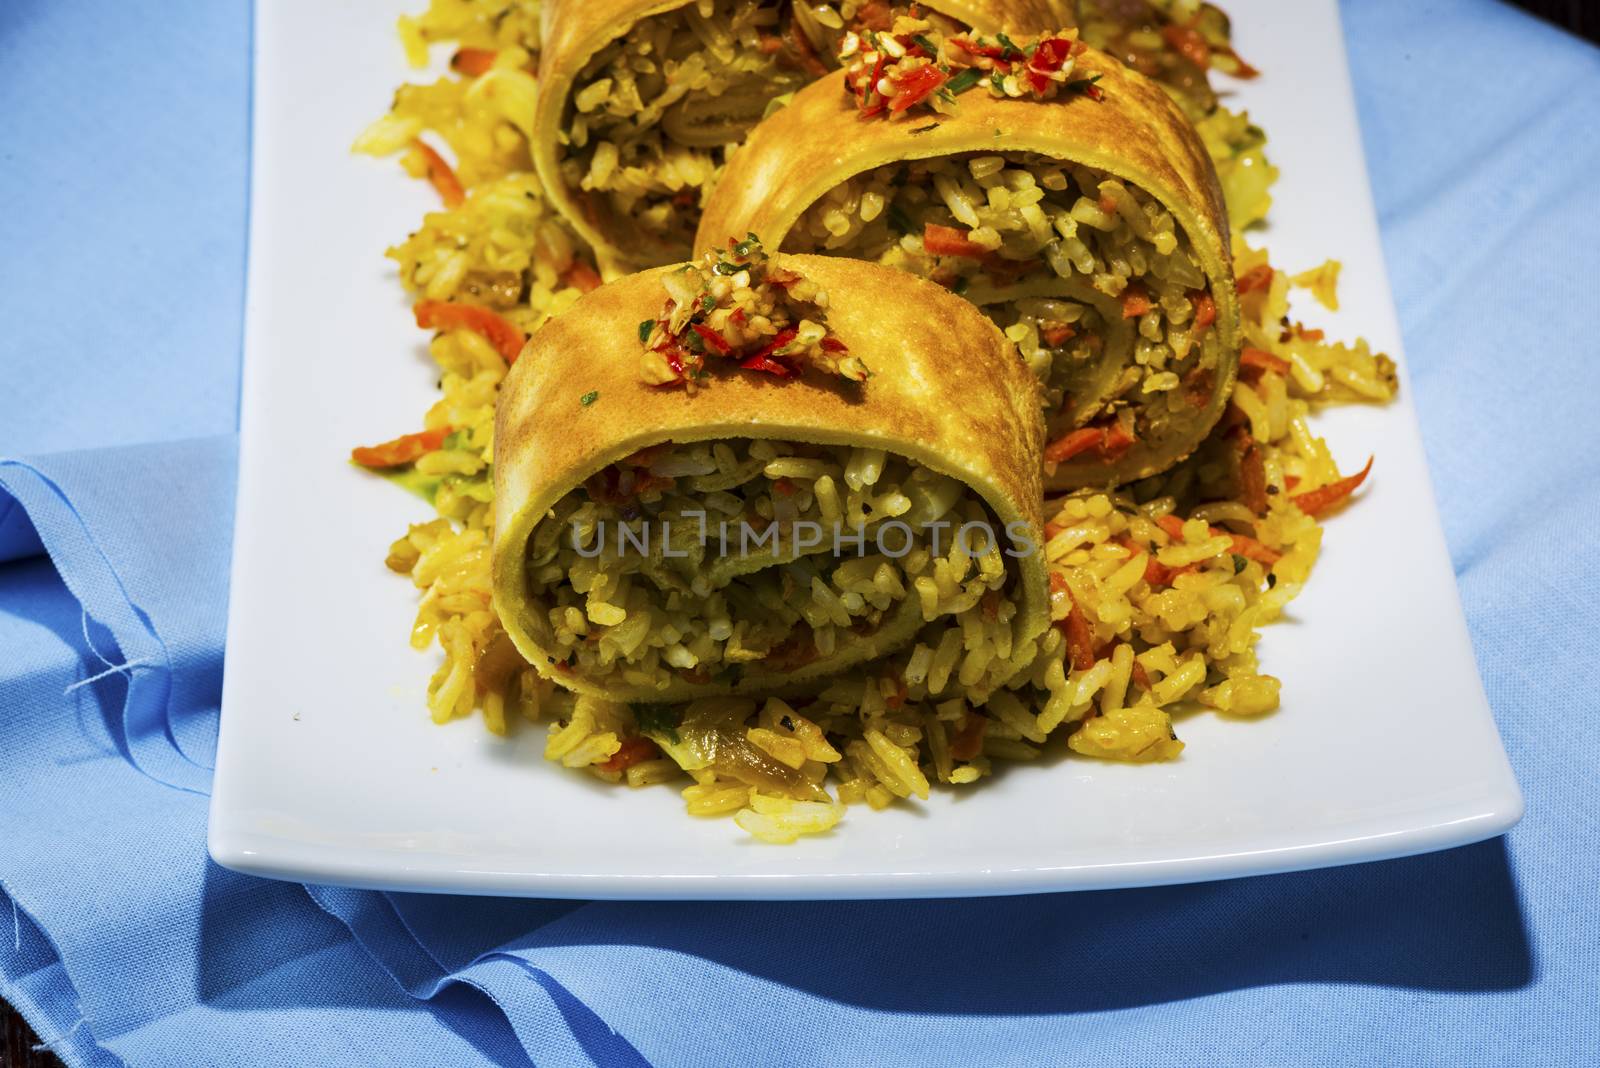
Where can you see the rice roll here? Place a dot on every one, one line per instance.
(640, 100)
(1060, 192)
(834, 478)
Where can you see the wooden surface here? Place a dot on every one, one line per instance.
(1582, 17)
(17, 1042)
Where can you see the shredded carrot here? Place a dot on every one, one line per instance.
(581, 276)
(968, 742)
(1315, 502)
(1050, 531)
(633, 751)
(1242, 546)
(784, 487)
(402, 450)
(1251, 549)
(1252, 474)
(1187, 42)
(472, 61)
(1259, 362)
(1057, 334)
(448, 315)
(1080, 638)
(1058, 581)
(1073, 443)
(1266, 361)
(1135, 302)
(1205, 310)
(1141, 677)
(1108, 204)
(1258, 277)
(440, 175)
(948, 241)
(1308, 335)
(1116, 441)
(898, 698)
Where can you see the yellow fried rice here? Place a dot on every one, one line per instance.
(1168, 603)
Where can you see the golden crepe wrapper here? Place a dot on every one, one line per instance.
(1135, 133)
(575, 30)
(947, 391)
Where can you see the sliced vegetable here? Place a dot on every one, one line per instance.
(472, 61)
(582, 277)
(440, 175)
(402, 450)
(1135, 301)
(949, 241)
(448, 315)
(1315, 502)
(633, 751)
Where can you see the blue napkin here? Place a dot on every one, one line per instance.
(122, 943)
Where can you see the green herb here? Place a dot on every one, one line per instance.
(726, 269)
(1239, 563)
(924, 129)
(1081, 85)
(644, 330)
(479, 489)
(961, 285)
(707, 302)
(589, 397)
(1008, 44)
(965, 80)
(897, 219)
(925, 44)
(411, 480)
(456, 439)
(1272, 580)
(658, 719)
(747, 246)
(947, 96)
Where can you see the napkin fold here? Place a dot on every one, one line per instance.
(123, 944)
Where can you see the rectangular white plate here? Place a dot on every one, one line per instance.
(330, 770)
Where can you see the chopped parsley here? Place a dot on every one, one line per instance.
(1082, 85)
(645, 328)
(1008, 44)
(961, 285)
(925, 44)
(658, 719)
(589, 397)
(1239, 563)
(964, 80)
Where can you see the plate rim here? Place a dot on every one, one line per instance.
(1487, 813)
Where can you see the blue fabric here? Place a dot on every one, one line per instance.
(122, 943)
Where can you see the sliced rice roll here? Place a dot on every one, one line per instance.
(811, 483)
(640, 100)
(1096, 237)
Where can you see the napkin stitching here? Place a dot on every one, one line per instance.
(40, 1047)
(162, 663)
(114, 669)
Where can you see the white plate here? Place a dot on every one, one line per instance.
(329, 769)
